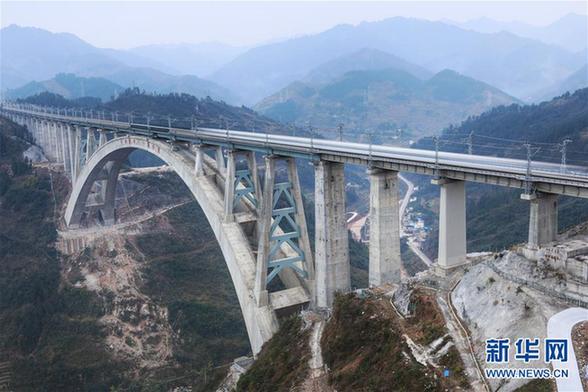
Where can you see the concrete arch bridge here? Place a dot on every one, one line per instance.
(261, 228)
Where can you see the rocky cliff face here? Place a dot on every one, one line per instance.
(133, 267)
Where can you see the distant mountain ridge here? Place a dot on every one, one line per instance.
(575, 81)
(31, 54)
(69, 86)
(363, 60)
(193, 59)
(384, 100)
(564, 32)
(519, 66)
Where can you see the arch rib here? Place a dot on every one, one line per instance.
(261, 321)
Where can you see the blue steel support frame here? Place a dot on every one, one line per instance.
(283, 214)
(244, 187)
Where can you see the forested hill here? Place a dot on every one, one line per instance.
(503, 130)
(181, 108)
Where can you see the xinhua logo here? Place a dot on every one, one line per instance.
(526, 350)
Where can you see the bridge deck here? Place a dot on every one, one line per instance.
(546, 177)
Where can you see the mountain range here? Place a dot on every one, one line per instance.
(69, 86)
(364, 59)
(191, 59)
(32, 54)
(384, 100)
(565, 32)
(575, 81)
(520, 66)
(523, 67)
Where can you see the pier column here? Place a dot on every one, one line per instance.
(198, 161)
(332, 268)
(64, 148)
(542, 218)
(102, 137)
(90, 144)
(108, 210)
(77, 145)
(300, 218)
(220, 160)
(452, 223)
(230, 186)
(53, 141)
(385, 261)
(252, 166)
(265, 222)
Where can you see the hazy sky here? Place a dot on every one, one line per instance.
(126, 24)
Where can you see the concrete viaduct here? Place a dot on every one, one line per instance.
(262, 230)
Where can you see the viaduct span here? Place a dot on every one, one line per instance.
(261, 228)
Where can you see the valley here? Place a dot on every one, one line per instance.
(293, 196)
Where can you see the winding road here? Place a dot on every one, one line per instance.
(560, 326)
(413, 245)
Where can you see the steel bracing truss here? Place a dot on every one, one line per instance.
(244, 187)
(284, 231)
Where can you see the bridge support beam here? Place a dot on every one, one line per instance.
(59, 140)
(76, 147)
(220, 160)
(64, 148)
(230, 186)
(265, 222)
(239, 184)
(90, 144)
(452, 223)
(109, 189)
(283, 245)
(542, 218)
(102, 138)
(384, 247)
(53, 141)
(331, 241)
(198, 161)
(300, 218)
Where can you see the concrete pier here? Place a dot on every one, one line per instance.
(230, 186)
(90, 143)
(198, 161)
(265, 222)
(77, 143)
(542, 219)
(384, 246)
(304, 240)
(452, 223)
(332, 248)
(220, 160)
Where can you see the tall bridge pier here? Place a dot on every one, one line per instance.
(452, 223)
(542, 218)
(331, 240)
(248, 187)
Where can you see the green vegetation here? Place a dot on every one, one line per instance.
(384, 100)
(496, 217)
(364, 347)
(181, 108)
(184, 270)
(49, 329)
(46, 98)
(282, 363)
(71, 86)
(364, 351)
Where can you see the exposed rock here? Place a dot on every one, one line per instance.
(138, 329)
(494, 307)
(34, 154)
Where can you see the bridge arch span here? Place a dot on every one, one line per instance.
(261, 321)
